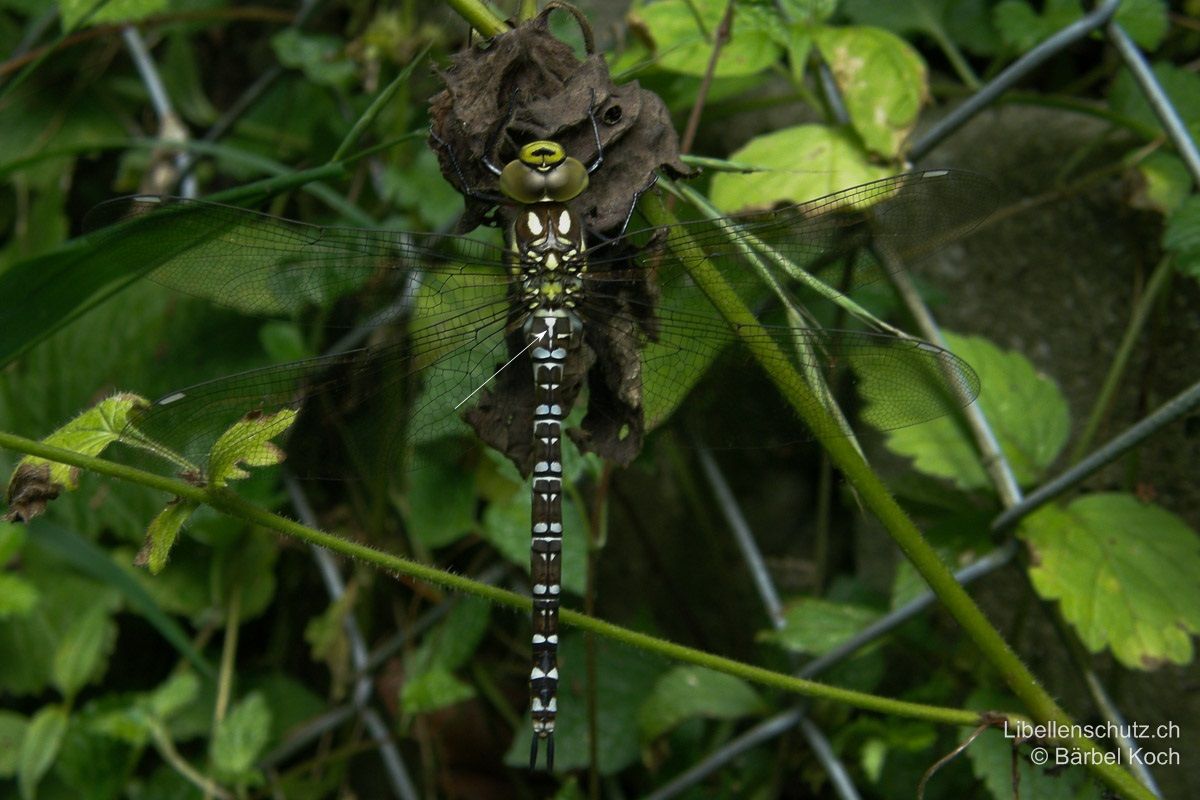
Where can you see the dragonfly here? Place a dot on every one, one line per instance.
(505, 336)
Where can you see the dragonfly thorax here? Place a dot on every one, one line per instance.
(543, 172)
(548, 244)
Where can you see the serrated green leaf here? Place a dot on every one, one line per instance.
(240, 737)
(991, 758)
(813, 625)
(39, 748)
(682, 31)
(433, 689)
(161, 534)
(82, 650)
(12, 732)
(1021, 27)
(1183, 236)
(1026, 410)
(454, 641)
(321, 58)
(76, 12)
(36, 480)
(1166, 182)
(1144, 20)
(836, 163)
(688, 692)
(883, 82)
(1124, 573)
(248, 443)
(506, 526)
(173, 695)
(17, 596)
(28, 644)
(1181, 86)
(95, 766)
(624, 679)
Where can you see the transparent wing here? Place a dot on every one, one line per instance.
(266, 265)
(908, 215)
(679, 335)
(654, 333)
(367, 404)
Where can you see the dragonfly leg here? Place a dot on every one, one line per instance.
(599, 159)
(604, 239)
(489, 149)
(470, 191)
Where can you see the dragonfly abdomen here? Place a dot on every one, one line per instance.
(548, 241)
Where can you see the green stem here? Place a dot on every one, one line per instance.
(877, 498)
(1158, 281)
(376, 106)
(166, 749)
(228, 502)
(479, 16)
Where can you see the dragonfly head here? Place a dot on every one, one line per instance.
(543, 172)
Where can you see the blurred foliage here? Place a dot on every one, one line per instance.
(118, 683)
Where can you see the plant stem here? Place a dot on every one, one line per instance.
(228, 502)
(877, 498)
(1158, 281)
(479, 16)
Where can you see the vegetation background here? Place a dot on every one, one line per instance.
(1076, 304)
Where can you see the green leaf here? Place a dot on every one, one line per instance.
(75, 12)
(17, 596)
(506, 526)
(1026, 410)
(1183, 236)
(12, 732)
(837, 162)
(454, 641)
(1144, 20)
(245, 563)
(966, 23)
(240, 737)
(321, 58)
(1021, 27)
(39, 748)
(94, 765)
(689, 692)
(28, 644)
(173, 695)
(883, 82)
(248, 443)
(809, 12)
(434, 689)
(36, 481)
(161, 534)
(326, 633)
(991, 757)
(1124, 573)
(815, 626)
(1165, 182)
(83, 649)
(683, 30)
(1181, 86)
(441, 498)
